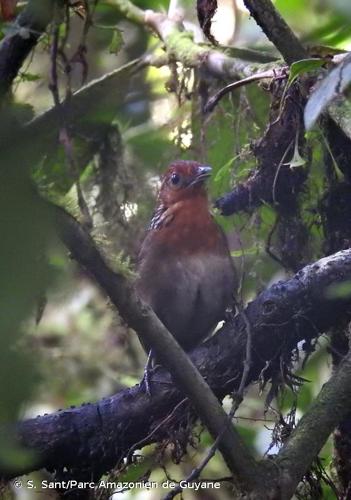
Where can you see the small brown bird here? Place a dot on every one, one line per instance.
(186, 273)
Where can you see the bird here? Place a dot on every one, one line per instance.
(185, 271)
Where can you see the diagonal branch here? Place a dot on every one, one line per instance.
(276, 29)
(22, 38)
(180, 46)
(151, 330)
(331, 406)
(91, 439)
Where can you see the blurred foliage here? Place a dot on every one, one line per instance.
(80, 349)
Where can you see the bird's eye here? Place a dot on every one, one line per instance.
(175, 180)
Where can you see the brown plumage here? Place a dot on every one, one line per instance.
(185, 270)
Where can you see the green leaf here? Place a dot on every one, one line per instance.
(117, 42)
(296, 69)
(299, 67)
(223, 171)
(30, 77)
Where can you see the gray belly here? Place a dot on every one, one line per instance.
(194, 300)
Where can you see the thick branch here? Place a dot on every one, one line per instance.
(144, 321)
(332, 405)
(180, 46)
(20, 40)
(91, 439)
(276, 29)
(100, 97)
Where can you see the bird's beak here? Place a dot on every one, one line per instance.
(203, 173)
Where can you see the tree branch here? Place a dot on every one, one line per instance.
(214, 100)
(276, 30)
(331, 406)
(180, 46)
(91, 439)
(143, 320)
(21, 38)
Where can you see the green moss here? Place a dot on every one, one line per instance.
(181, 46)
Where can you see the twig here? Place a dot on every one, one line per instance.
(276, 175)
(147, 439)
(213, 100)
(195, 473)
(247, 360)
(64, 135)
(330, 407)
(53, 57)
(269, 241)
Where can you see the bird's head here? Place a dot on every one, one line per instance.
(183, 180)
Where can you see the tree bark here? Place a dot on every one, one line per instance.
(93, 438)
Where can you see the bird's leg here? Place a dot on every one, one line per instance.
(146, 378)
